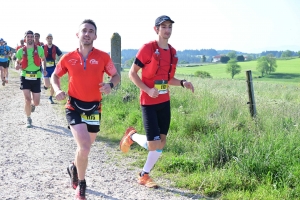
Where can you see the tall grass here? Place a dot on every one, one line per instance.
(213, 146)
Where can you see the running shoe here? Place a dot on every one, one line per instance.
(146, 181)
(126, 141)
(50, 101)
(3, 82)
(29, 122)
(80, 191)
(72, 171)
(45, 88)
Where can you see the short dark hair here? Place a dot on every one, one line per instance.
(89, 21)
(37, 34)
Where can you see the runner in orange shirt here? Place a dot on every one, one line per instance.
(85, 67)
(157, 60)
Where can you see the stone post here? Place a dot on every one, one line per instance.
(115, 52)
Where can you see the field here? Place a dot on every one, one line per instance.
(287, 71)
(214, 147)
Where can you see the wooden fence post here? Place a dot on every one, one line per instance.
(251, 102)
(115, 52)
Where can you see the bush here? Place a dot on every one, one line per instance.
(202, 74)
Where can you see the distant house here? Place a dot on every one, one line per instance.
(216, 58)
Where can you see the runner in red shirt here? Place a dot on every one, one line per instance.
(21, 45)
(157, 60)
(85, 67)
(37, 39)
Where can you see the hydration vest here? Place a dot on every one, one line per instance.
(53, 51)
(150, 70)
(36, 57)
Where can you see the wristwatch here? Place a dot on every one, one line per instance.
(181, 82)
(111, 85)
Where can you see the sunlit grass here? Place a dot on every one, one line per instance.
(214, 147)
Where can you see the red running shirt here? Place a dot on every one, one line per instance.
(145, 55)
(85, 76)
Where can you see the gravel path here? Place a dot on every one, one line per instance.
(33, 161)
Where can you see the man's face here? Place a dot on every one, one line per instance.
(22, 42)
(1, 43)
(36, 38)
(165, 30)
(49, 40)
(86, 34)
(29, 39)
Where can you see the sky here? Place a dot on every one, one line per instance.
(250, 26)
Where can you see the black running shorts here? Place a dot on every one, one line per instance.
(74, 118)
(156, 119)
(32, 85)
(4, 64)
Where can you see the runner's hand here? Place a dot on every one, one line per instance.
(188, 85)
(153, 92)
(105, 88)
(60, 95)
(18, 66)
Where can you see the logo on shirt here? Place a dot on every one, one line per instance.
(72, 61)
(94, 62)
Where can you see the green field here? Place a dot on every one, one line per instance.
(213, 146)
(287, 71)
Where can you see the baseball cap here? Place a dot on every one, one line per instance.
(28, 32)
(49, 35)
(162, 19)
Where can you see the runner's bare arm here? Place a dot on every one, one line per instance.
(134, 77)
(44, 61)
(55, 81)
(176, 82)
(17, 64)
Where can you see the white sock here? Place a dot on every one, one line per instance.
(151, 160)
(140, 139)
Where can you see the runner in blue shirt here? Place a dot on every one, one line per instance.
(4, 53)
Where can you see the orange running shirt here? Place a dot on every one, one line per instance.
(85, 75)
(144, 55)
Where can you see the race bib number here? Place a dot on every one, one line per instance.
(31, 75)
(93, 119)
(50, 64)
(2, 56)
(162, 86)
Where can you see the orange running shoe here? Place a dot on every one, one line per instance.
(126, 141)
(146, 181)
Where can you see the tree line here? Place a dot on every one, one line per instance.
(206, 55)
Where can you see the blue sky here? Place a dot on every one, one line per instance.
(250, 26)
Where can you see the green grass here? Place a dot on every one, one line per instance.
(287, 71)
(213, 146)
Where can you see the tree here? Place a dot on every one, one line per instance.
(287, 54)
(224, 59)
(203, 58)
(266, 65)
(262, 65)
(240, 58)
(233, 68)
(299, 53)
(272, 64)
(232, 54)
